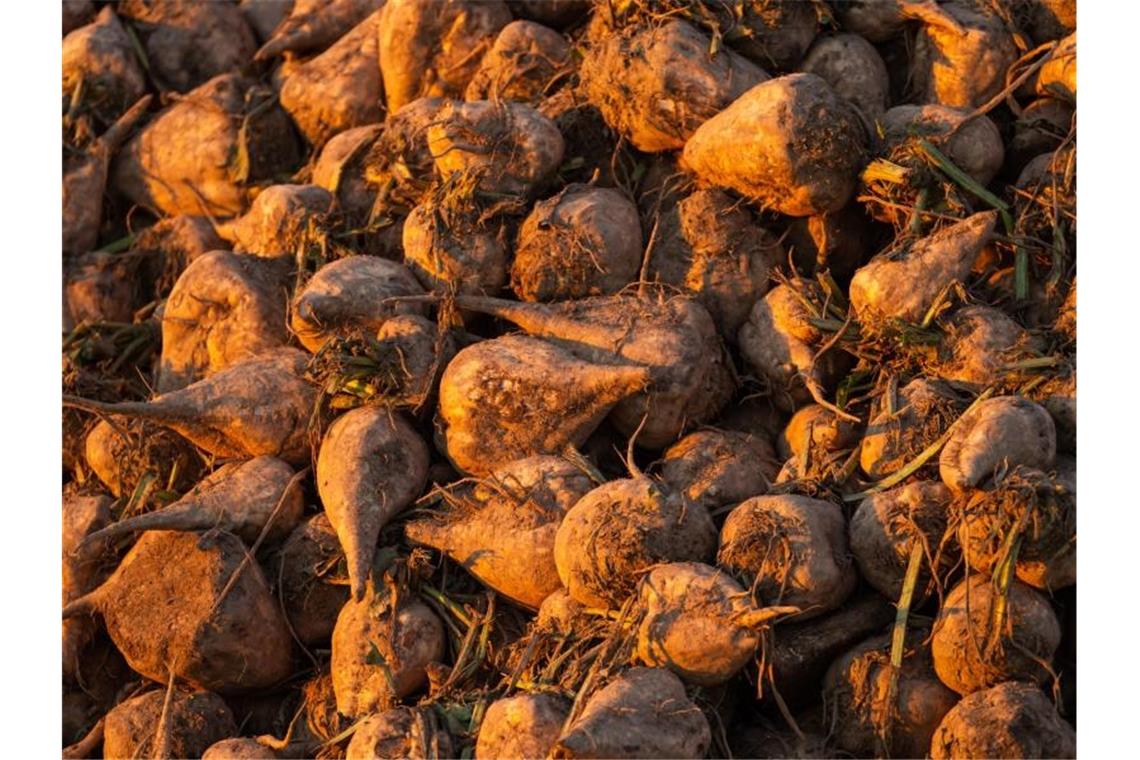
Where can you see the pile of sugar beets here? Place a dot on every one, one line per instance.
(556, 378)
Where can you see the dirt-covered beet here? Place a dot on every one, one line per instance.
(790, 144)
(975, 646)
(449, 247)
(854, 69)
(1009, 720)
(621, 528)
(308, 25)
(585, 241)
(145, 726)
(526, 60)
(698, 622)
(228, 414)
(716, 468)
(780, 343)
(709, 245)
(339, 168)
(100, 70)
(963, 67)
(434, 49)
(902, 284)
(224, 308)
(187, 43)
(506, 148)
(340, 88)
(791, 550)
(644, 712)
(312, 578)
(198, 155)
(406, 634)
(502, 529)
(165, 610)
(882, 712)
(256, 499)
(83, 568)
(883, 531)
(371, 465)
(403, 732)
(972, 142)
(357, 291)
(524, 396)
(526, 725)
(905, 421)
(656, 85)
(85, 178)
(983, 344)
(1004, 431)
(671, 336)
(816, 431)
(1038, 507)
(283, 220)
(399, 162)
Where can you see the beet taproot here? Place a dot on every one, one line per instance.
(698, 622)
(712, 248)
(509, 148)
(854, 69)
(904, 422)
(716, 468)
(198, 155)
(791, 550)
(187, 43)
(434, 49)
(244, 499)
(656, 85)
(371, 465)
(790, 144)
(85, 179)
(450, 248)
(1004, 431)
(644, 712)
(963, 67)
(526, 725)
(903, 284)
(674, 337)
(225, 308)
(502, 529)
(885, 527)
(526, 60)
(584, 241)
(1009, 720)
(228, 413)
(402, 732)
(100, 70)
(312, 577)
(281, 221)
(780, 342)
(83, 561)
(983, 637)
(339, 89)
(881, 712)
(193, 605)
(406, 639)
(339, 169)
(528, 397)
(314, 25)
(622, 528)
(348, 293)
(146, 726)
(1038, 507)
